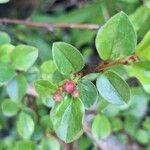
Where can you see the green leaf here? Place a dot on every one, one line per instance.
(117, 38)
(46, 123)
(7, 72)
(25, 145)
(142, 136)
(131, 124)
(44, 88)
(4, 37)
(4, 1)
(101, 127)
(67, 119)
(88, 92)
(25, 125)
(50, 144)
(67, 58)
(48, 101)
(17, 87)
(9, 108)
(113, 88)
(141, 71)
(138, 103)
(23, 57)
(146, 123)
(143, 49)
(116, 124)
(141, 24)
(47, 69)
(5, 52)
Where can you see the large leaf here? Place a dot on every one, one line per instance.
(23, 57)
(67, 58)
(101, 127)
(17, 87)
(88, 92)
(44, 88)
(117, 38)
(25, 125)
(7, 72)
(9, 108)
(143, 49)
(67, 119)
(113, 88)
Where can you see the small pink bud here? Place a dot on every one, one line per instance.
(69, 87)
(57, 97)
(75, 94)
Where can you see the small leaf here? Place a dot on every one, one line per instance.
(143, 49)
(88, 92)
(117, 38)
(25, 125)
(17, 87)
(47, 69)
(25, 145)
(141, 71)
(67, 119)
(5, 52)
(67, 58)
(9, 108)
(146, 123)
(50, 144)
(101, 127)
(7, 72)
(44, 88)
(4, 37)
(142, 136)
(113, 88)
(46, 123)
(116, 124)
(23, 57)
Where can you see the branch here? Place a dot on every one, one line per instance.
(48, 26)
(106, 65)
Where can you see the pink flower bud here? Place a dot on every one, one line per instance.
(69, 87)
(57, 97)
(75, 94)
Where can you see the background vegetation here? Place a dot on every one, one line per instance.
(24, 118)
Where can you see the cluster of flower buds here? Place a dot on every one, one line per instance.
(68, 87)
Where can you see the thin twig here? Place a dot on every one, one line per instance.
(106, 65)
(48, 26)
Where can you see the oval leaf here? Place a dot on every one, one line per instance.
(67, 119)
(44, 88)
(101, 127)
(7, 72)
(113, 88)
(24, 56)
(17, 87)
(88, 92)
(117, 38)
(10, 108)
(25, 125)
(67, 58)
